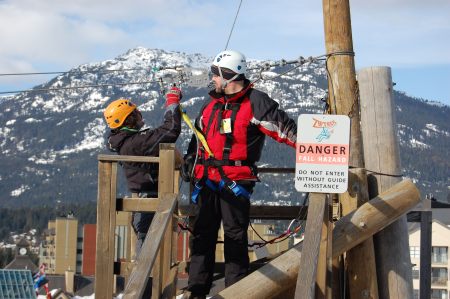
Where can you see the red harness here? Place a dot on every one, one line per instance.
(225, 123)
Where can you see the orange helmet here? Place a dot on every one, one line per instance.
(116, 112)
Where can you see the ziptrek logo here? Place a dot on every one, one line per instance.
(326, 131)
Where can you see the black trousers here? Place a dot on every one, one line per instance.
(141, 222)
(214, 207)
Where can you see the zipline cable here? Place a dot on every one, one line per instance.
(234, 22)
(153, 69)
(70, 72)
(78, 87)
(301, 61)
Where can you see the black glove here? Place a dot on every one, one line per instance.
(187, 166)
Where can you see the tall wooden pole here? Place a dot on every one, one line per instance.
(382, 159)
(343, 98)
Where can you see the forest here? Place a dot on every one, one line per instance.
(21, 220)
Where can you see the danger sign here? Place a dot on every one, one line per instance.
(322, 153)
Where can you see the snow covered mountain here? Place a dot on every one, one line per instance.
(50, 137)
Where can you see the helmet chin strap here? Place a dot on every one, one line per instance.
(224, 82)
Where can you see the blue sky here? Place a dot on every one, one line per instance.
(410, 36)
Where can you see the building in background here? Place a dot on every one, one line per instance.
(68, 247)
(21, 259)
(440, 244)
(89, 246)
(59, 249)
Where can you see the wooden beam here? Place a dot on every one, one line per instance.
(323, 277)
(171, 284)
(125, 158)
(307, 273)
(166, 184)
(374, 216)
(280, 275)
(137, 204)
(382, 159)
(139, 277)
(166, 168)
(104, 252)
(270, 280)
(112, 219)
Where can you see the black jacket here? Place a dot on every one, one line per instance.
(142, 177)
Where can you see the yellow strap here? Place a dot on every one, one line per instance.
(196, 132)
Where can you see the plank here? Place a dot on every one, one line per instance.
(125, 158)
(307, 273)
(145, 261)
(103, 269)
(137, 204)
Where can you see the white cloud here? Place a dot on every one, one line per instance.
(48, 35)
(73, 32)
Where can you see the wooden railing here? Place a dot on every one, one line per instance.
(158, 253)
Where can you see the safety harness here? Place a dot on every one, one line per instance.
(211, 161)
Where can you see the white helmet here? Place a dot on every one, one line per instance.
(232, 60)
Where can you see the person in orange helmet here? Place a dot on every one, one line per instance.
(127, 138)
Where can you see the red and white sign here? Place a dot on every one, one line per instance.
(322, 153)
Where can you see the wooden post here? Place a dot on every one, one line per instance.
(106, 222)
(280, 275)
(166, 181)
(323, 278)
(307, 274)
(343, 99)
(425, 254)
(382, 159)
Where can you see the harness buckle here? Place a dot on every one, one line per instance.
(232, 185)
(196, 192)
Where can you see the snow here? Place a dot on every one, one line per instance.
(93, 138)
(10, 122)
(437, 104)
(278, 194)
(432, 127)
(151, 103)
(94, 100)
(32, 120)
(4, 132)
(192, 101)
(19, 190)
(46, 158)
(418, 144)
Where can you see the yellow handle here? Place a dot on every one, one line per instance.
(196, 132)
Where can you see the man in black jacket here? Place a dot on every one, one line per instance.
(127, 138)
(234, 123)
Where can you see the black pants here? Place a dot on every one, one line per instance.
(141, 222)
(214, 207)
